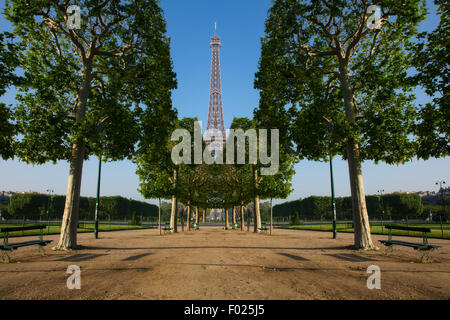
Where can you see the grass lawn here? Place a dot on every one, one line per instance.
(378, 229)
(56, 229)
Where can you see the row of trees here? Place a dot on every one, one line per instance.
(46, 206)
(201, 185)
(337, 80)
(386, 206)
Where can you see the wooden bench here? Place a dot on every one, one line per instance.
(167, 228)
(424, 246)
(6, 246)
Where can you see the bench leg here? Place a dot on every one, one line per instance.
(426, 257)
(5, 256)
(390, 249)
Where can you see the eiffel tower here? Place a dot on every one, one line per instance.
(215, 135)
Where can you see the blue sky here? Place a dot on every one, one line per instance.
(240, 25)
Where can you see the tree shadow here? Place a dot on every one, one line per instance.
(350, 257)
(136, 257)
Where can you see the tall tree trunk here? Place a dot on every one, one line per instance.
(227, 220)
(257, 215)
(256, 212)
(233, 217)
(196, 217)
(68, 236)
(173, 214)
(362, 237)
(242, 218)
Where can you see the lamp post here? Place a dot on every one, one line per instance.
(440, 183)
(97, 200)
(333, 200)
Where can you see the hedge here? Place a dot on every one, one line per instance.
(116, 207)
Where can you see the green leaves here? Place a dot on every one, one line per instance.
(108, 84)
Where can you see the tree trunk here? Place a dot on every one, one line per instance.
(188, 217)
(196, 217)
(242, 218)
(257, 215)
(173, 214)
(174, 211)
(68, 235)
(362, 237)
(233, 218)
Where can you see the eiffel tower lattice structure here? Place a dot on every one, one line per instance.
(215, 135)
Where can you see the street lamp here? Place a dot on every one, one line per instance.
(440, 183)
(97, 200)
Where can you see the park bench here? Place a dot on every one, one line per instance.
(167, 228)
(6, 246)
(424, 246)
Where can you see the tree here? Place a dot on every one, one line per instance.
(83, 86)
(431, 61)
(328, 60)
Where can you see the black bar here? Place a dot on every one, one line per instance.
(388, 226)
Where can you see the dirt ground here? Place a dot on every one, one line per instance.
(212, 263)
